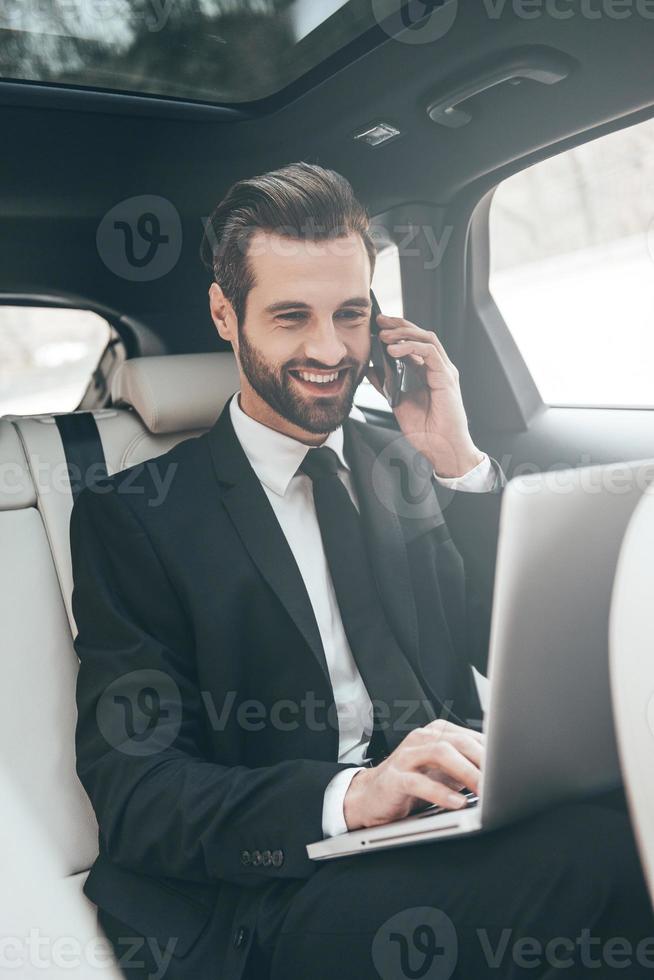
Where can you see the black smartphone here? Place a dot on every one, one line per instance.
(396, 375)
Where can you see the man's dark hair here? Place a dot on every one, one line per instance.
(299, 201)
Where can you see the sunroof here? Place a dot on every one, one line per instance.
(213, 51)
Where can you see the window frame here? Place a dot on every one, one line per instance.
(523, 401)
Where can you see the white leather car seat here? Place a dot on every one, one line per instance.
(48, 925)
(157, 402)
(631, 628)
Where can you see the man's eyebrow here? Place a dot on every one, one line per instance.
(298, 304)
(357, 301)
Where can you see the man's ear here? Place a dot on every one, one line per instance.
(223, 315)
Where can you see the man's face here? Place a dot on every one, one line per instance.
(304, 345)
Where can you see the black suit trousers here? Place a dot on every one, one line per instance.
(560, 894)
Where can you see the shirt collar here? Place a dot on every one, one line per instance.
(274, 456)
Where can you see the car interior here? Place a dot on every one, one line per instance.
(504, 151)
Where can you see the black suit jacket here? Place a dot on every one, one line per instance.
(206, 731)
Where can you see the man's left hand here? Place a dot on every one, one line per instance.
(432, 418)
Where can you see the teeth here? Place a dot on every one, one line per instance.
(318, 378)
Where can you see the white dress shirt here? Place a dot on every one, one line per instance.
(275, 458)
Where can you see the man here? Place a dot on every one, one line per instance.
(293, 628)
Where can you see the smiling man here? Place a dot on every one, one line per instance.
(296, 623)
(310, 354)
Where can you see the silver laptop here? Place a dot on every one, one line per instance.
(548, 723)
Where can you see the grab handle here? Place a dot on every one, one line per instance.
(548, 68)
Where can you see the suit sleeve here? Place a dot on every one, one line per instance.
(473, 521)
(163, 807)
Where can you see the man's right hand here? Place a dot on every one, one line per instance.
(429, 765)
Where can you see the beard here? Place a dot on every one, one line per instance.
(276, 386)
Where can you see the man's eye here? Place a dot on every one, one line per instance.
(295, 316)
(352, 314)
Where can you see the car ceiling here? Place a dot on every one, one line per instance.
(64, 168)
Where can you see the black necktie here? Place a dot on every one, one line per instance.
(390, 680)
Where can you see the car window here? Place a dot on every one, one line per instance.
(206, 50)
(47, 357)
(387, 287)
(572, 269)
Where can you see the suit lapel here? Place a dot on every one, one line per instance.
(256, 523)
(377, 490)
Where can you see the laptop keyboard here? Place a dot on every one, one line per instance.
(431, 809)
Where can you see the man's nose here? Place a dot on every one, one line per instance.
(325, 345)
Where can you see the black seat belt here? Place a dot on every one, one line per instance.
(85, 457)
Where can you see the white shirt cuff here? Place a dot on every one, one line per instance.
(480, 479)
(333, 819)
